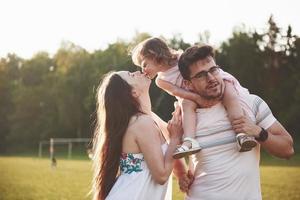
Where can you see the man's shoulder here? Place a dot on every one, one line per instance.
(258, 106)
(253, 97)
(254, 102)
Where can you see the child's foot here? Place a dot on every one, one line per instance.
(188, 147)
(245, 142)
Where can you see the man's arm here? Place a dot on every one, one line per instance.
(279, 142)
(180, 168)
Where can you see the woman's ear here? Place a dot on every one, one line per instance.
(135, 93)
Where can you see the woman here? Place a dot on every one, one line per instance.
(132, 158)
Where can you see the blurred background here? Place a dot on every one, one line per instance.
(54, 53)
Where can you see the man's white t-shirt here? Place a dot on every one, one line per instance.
(221, 172)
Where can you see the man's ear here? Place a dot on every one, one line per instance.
(188, 84)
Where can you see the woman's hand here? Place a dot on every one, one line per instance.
(174, 125)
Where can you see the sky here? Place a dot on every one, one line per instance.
(30, 26)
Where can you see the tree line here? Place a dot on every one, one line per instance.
(54, 96)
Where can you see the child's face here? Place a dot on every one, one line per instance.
(150, 67)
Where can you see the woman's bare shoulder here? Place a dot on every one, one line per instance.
(142, 124)
(141, 120)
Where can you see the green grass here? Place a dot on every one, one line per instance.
(24, 178)
(33, 179)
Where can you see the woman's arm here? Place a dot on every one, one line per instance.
(149, 142)
(179, 166)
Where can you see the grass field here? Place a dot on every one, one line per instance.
(28, 178)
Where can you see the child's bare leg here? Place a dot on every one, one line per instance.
(231, 102)
(189, 120)
(189, 145)
(234, 110)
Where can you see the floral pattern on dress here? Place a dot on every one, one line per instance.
(129, 164)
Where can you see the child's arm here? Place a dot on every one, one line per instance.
(188, 105)
(231, 101)
(182, 93)
(176, 91)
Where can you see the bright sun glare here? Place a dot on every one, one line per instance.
(41, 25)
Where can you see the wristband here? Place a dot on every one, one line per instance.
(263, 135)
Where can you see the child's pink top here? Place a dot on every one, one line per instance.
(240, 89)
(172, 75)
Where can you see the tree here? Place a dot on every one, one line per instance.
(30, 97)
(241, 57)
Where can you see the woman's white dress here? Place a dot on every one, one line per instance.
(135, 181)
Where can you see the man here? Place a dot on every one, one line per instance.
(219, 171)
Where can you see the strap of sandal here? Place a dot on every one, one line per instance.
(182, 148)
(192, 141)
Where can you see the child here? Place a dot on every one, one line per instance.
(156, 58)
(53, 162)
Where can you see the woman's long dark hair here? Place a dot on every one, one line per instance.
(115, 106)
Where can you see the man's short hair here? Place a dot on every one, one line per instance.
(192, 55)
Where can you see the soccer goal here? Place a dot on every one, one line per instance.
(61, 141)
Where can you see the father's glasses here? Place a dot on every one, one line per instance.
(201, 76)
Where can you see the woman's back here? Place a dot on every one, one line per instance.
(135, 181)
(137, 127)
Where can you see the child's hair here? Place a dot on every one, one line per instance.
(155, 49)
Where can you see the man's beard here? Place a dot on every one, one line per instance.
(217, 96)
(211, 97)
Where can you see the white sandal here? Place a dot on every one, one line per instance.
(183, 150)
(245, 142)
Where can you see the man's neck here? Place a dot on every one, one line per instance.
(211, 103)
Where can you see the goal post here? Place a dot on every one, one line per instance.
(68, 141)
(41, 143)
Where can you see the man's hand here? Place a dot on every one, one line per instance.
(186, 181)
(245, 125)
